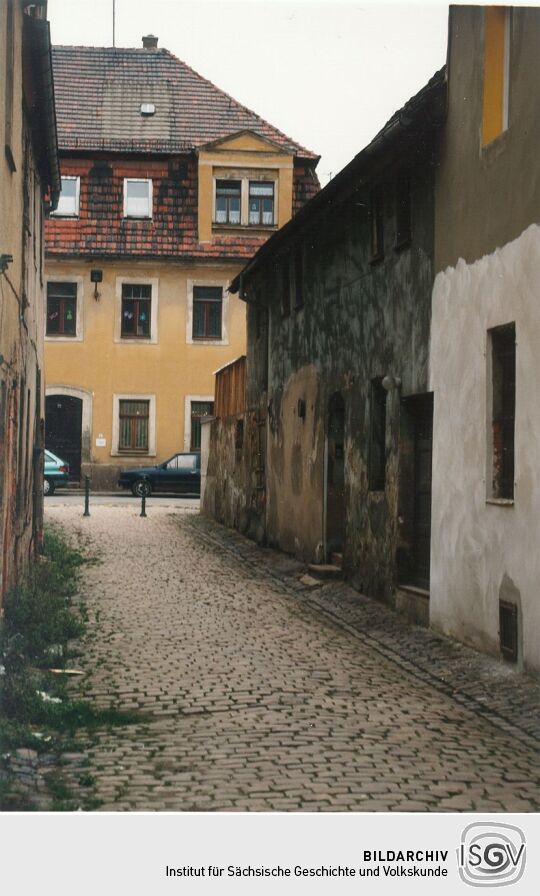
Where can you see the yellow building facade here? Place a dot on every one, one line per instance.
(148, 234)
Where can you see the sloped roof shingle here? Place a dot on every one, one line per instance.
(99, 91)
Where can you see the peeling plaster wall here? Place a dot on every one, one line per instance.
(482, 551)
(359, 321)
(295, 466)
(231, 494)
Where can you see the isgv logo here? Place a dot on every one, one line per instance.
(491, 854)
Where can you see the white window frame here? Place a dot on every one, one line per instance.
(58, 213)
(139, 180)
(224, 314)
(245, 180)
(187, 416)
(142, 281)
(117, 398)
(79, 317)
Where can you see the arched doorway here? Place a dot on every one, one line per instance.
(335, 476)
(63, 430)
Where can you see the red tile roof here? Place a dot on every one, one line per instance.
(99, 91)
(101, 230)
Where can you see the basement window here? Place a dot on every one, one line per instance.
(508, 630)
(503, 381)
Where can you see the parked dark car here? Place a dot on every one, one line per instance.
(55, 472)
(180, 473)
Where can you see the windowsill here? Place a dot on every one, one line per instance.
(207, 340)
(62, 338)
(501, 502)
(135, 338)
(135, 218)
(243, 227)
(65, 216)
(131, 453)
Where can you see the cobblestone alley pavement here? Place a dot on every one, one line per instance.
(262, 693)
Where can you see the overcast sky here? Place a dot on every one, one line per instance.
(328, 74)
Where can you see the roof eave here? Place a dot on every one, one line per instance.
(402, 122)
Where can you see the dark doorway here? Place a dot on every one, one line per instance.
(335, 476)
(63, 428)
(415, 491)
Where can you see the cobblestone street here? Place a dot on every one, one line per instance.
(262, 693)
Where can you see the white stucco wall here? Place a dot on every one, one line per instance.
(484, 551)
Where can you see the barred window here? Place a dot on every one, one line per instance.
(133, 428)
(199, 410)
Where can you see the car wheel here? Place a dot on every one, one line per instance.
(48, 487)
(141, 487)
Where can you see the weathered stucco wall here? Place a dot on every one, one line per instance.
(487, 196)
(232, 493)
(295, 477)
(483, 552)
(21, 314)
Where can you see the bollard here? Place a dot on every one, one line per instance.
(86, 496)
(143, 503)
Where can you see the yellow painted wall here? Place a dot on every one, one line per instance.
(496, 22)
(169, 369)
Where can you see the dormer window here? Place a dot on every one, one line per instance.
(261, 202)
(147, 109)
(137, 198)
(244, 201)
(68, 204)
(228, 201)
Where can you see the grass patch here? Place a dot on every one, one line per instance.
(36, 710)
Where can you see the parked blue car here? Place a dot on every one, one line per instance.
(55, 472)
(181, 473)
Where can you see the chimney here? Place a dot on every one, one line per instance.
(150, 42)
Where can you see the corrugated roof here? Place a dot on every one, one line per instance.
(99, 91)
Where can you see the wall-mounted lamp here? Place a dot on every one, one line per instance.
(390, 382)
(96, 277)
